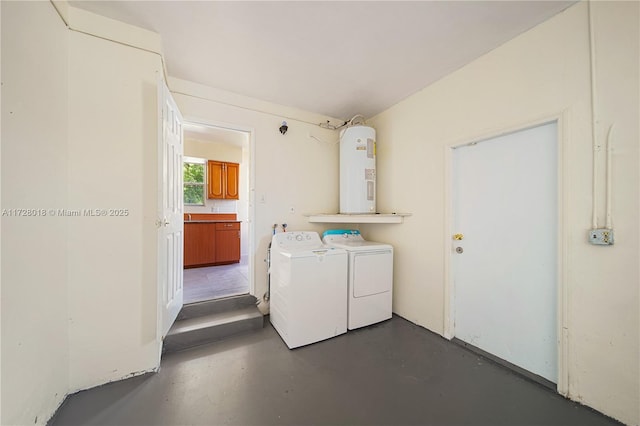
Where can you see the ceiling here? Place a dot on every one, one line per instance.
(336, 58)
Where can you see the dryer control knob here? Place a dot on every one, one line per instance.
(299, 237)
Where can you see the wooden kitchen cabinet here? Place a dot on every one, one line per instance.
(223, 180)
(227, 242)
(211, 243)
(199, 244)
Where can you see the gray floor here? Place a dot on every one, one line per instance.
(214, 282)
(393, 373)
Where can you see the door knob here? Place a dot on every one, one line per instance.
(162, 222)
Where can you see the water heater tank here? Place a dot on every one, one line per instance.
(358, 170)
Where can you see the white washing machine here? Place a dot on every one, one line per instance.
(308, 288)
(370, 280)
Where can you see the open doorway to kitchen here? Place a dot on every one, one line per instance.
(217, 164)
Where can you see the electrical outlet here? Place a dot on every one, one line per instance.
(602, 237)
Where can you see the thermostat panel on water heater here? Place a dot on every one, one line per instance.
(358, 170)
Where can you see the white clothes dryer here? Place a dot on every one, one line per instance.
(308, 288)
(370, 280)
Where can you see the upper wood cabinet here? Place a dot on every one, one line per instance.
(232, 173)
(222, 180)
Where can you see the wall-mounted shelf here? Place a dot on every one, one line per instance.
(358, 218)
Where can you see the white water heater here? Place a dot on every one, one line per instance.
(358, 170)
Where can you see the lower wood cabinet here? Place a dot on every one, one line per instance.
(211, 243)
(199, 244)
(228, 242)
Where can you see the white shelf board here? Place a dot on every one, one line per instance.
(358, 218)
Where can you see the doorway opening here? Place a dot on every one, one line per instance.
(217, 165)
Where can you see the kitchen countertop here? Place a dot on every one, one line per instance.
(212, 221)
(210, 218)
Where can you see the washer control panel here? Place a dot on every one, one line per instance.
(297, 240)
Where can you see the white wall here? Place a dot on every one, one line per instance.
(112, 165)
(290, 170)
(244, 202)
(34, 172)
(541, 73)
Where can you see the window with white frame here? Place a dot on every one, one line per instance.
(194, 179)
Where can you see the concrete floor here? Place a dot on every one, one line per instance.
(393, 373)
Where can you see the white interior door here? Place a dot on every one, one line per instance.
(170, 209)
(505, 260)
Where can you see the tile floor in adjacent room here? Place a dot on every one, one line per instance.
(392, 373)
(214, 282)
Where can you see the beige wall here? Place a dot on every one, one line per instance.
(79, 294)
(542, 73)
(211, 150)
(35, 357)
(112, 165)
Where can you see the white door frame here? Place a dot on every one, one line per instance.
(252, 166)
(449, 249)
